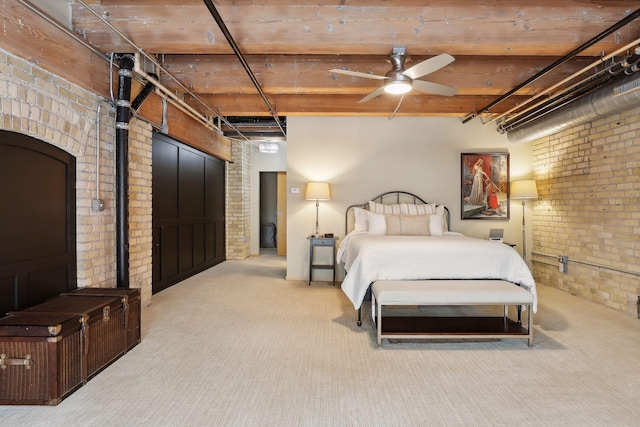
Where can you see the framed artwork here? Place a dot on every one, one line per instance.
(484, 186)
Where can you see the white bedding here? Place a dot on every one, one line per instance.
(368, 258)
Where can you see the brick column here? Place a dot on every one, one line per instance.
(237, 207)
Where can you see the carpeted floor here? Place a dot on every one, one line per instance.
(238, 345)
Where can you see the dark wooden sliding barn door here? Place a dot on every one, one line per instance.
(37, 221)
(188, 211)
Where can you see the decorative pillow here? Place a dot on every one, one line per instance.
(393, 224)
(381, 208)
(361, 217)
(415, 225)
(377, 223)
(427, 209)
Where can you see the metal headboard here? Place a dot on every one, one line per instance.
(390, 197)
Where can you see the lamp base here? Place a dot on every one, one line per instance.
(316, 236)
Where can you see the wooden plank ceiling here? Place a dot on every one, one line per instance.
(291, 45)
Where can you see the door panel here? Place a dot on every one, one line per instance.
(281, 239)
(189, 191)
(168, 252)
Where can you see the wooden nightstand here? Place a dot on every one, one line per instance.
(326, 242)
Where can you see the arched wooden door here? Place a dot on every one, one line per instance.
(37, 221)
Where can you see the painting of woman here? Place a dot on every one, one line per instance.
(477, 187)
(485, 178)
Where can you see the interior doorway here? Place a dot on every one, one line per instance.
(273, 202)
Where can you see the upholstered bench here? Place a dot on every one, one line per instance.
(450, 293)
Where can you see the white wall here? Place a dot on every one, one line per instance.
(261, 162)
(363, 157)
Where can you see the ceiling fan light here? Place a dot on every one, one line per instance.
(397, 88)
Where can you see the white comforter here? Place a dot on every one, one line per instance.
(368, 258)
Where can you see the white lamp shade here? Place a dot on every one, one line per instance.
(524, 189)
(318, 191)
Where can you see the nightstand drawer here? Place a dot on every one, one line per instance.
(324, 242)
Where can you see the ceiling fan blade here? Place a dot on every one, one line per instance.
(372, 95)
(357, 74)
(428, 66)
(397, 108)
(435, 88)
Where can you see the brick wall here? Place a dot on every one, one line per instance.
(140, 208)
(238, 192)
(37, 103)
(589, 185)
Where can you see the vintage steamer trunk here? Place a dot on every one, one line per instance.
(131, 305)
(105, 336)
(41, 358)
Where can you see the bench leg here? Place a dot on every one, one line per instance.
(530, 326)
(379, 323)
(360, 316)
(519, 309)
(373, 309)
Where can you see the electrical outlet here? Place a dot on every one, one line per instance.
(562, 263)
(295, 190)
(97, 205)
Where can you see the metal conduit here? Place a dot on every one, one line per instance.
(571, 94)
(243, 62)
(603, 267)
(615, 96)
(629, 18)
(161, 68)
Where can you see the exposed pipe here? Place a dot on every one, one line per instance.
(243, 62)
(157, 65)
(100, 101)
(570, 94)
(146, 90)
(594, 64)
(175, 100)
(123, 115)
(626, 20)
(615, 96)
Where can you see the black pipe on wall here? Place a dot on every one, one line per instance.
(123, 115)
(142, 96)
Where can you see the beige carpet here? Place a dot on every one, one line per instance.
(238, 345)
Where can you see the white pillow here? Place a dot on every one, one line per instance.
(377, 223)
(361, 217)
(440, 210)
(435, 224)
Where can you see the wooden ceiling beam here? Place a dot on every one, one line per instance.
(286, 74)
(347, 105)
(492, 27)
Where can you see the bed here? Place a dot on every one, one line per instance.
(423, 248)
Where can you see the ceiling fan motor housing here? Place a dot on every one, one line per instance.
(397, 82)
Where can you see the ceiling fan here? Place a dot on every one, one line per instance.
(399, 81)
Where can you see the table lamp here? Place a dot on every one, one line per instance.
(317, 191)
